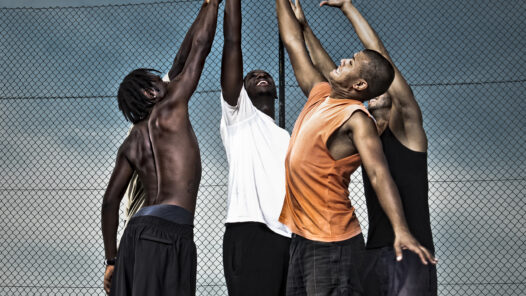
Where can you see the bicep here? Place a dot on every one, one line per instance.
(365, 138)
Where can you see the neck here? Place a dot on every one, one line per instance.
(340, 93)
(265, 104)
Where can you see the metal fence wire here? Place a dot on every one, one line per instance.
(60, 129)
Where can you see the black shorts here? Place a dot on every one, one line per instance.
(155, 257)
(383, 275)
(325, 268)
(255, 260)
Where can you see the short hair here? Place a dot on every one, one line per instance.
(256, 70)
(378, 72)
(132, 102)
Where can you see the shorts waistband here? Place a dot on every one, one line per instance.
(336, 243)
(164, 225)
(172, 213)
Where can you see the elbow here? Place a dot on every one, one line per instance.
(109, 206)
(232, 40)
(203, 42)
(291, 40)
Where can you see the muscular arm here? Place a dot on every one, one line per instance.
(365, 138)
(186, 46)
(406, 116)
(292, 37)
(168, 111)
(319, 56)
(232, 61)
(110, 210)
(110, 204)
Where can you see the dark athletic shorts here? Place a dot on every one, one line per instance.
(255, 260)
(383, 275)
(325, 268)
(156, 257)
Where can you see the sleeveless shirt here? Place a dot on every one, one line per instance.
(409, 171)
(317, 204)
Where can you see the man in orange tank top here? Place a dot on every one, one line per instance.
(332, 136)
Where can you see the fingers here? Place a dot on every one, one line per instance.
(107, 287)
(323, 3)
(422, 252)
(291, 4)
(398, 252)
(429, 256)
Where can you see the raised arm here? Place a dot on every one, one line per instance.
(232, 61)
(181, 88)
(406, 116)
(186, 46)
(292, 37)
(319, 56)
(363, 134)
(110, 210)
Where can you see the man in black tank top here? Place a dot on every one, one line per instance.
(399, 123)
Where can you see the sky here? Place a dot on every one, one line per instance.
(60, 69)
(65, 3)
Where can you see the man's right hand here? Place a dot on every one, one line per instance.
(404, 240)
(335, 3)
(107, 278)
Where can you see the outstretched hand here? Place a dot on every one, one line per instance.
(298, 12)
(335, 3)
(405, 240)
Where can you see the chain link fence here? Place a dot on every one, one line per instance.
(60, 126)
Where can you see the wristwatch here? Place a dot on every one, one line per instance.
(110, 261)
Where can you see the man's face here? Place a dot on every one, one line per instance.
(348, 72)
(259, 82)
(158, 89)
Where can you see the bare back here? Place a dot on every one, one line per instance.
(179, 161)
(138, 151)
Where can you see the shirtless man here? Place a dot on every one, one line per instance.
(404, 141)
(256, 244)
(332, 136)
(157, 254)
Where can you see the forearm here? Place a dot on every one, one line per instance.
(389, 199)
(186, 46)
(320, 58)
(109, 221)
(232, 59)
(204, 35)
(365, 32)
(292, 37)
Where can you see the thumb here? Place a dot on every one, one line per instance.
(398, 252)
(323, 3)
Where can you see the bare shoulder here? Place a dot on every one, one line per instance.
(360, 121)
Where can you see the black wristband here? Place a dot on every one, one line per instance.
(110, 261)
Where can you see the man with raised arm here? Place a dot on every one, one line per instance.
(404, 141)
(332, 136)
(256, 244)
(157, 254)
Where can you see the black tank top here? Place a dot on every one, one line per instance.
(409, 171)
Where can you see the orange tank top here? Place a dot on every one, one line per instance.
(317, 204)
